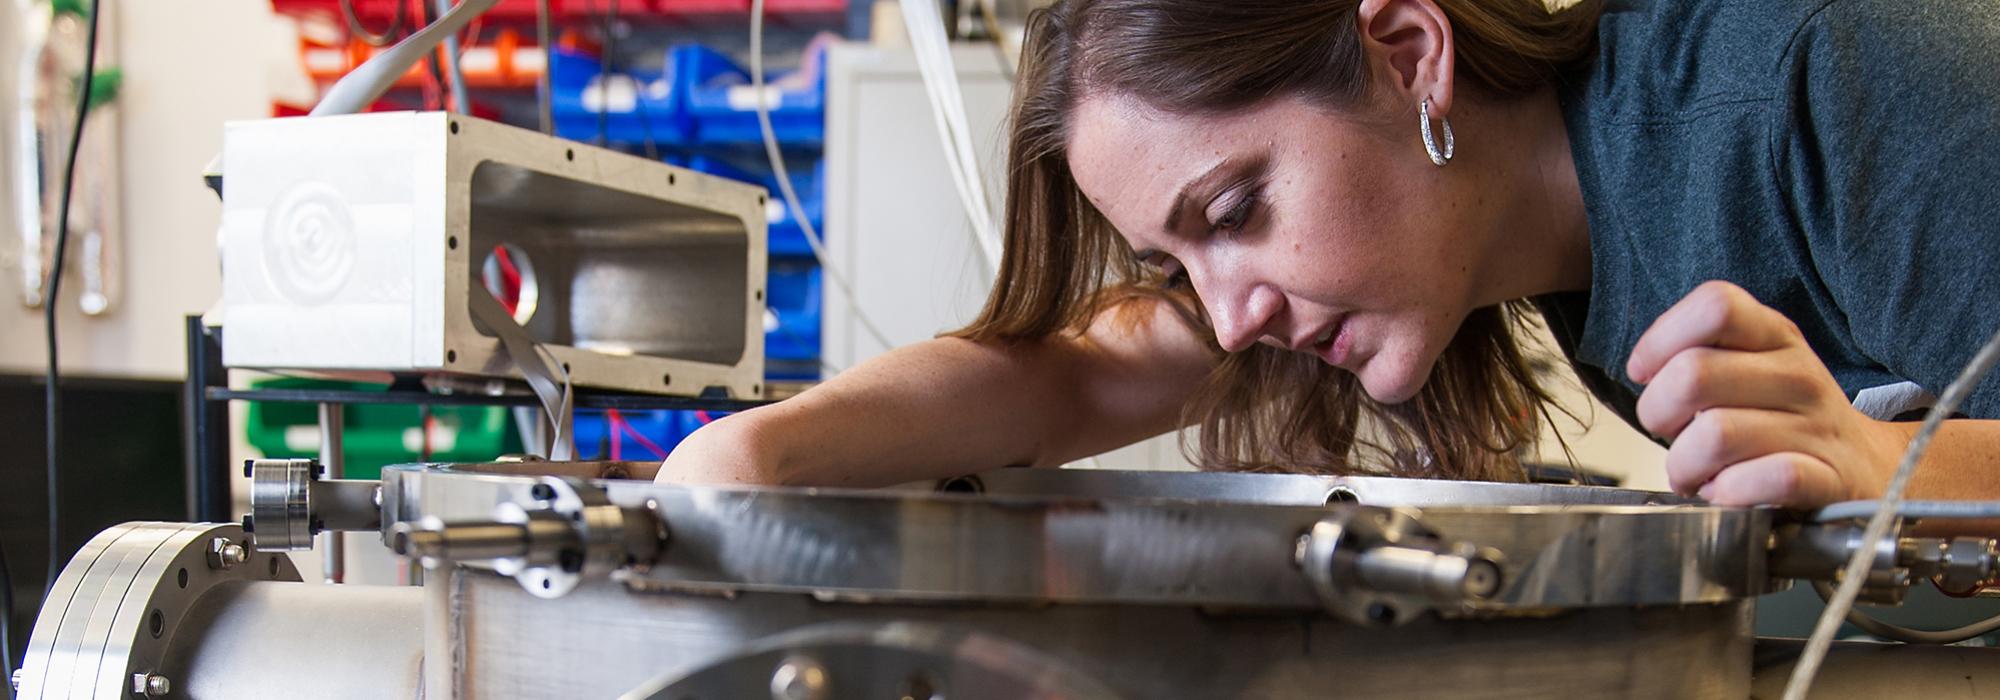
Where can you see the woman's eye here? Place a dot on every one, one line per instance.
(1237, 215)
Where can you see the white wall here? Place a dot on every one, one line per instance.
(189, 66)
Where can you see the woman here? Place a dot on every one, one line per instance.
(1314, 229)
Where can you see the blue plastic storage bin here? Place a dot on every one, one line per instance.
(792, 321)
(637, 108)
(722, 103)
(665, 429)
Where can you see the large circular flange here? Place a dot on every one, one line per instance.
(114, 610)
(912, 660)
(281, 503)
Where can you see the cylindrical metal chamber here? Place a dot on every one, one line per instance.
(1012, 585)
(514, 645)
(185, 610)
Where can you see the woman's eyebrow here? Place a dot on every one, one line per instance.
(1207, 181)
(1181, 198)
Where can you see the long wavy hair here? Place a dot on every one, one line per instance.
(1265, 408)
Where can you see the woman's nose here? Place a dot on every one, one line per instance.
(1239, 311)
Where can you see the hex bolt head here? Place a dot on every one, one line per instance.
(224, 554)
(151, 685)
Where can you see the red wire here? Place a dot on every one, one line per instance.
(703, 417)
(613, 422)
(641, 439)
(510, 279)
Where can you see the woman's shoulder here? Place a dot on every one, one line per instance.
(1661, 60)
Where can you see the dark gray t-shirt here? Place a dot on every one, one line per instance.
(1838, 159)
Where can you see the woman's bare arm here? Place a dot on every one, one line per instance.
(950, 406)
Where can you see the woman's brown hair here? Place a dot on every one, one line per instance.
(1263, 409)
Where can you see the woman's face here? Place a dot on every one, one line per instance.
(1298, 227)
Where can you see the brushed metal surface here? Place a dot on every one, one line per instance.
(1097, 549)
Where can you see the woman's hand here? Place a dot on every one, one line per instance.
(1752, 413)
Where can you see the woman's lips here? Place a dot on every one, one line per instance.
(1337, 345)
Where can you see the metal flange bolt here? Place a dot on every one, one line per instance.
(151, 685)
(224, 554)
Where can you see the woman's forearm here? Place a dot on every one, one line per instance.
(1962, 463)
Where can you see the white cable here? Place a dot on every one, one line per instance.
(1878, 525)
(785, 179)
(944, 73)
(934, 63)
(368, 81)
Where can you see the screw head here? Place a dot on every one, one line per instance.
(799, 678)
(151, 685)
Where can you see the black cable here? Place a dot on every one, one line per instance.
(387, 37)
(431, 59)
(647, 143)
(6, 623)
(54, 296)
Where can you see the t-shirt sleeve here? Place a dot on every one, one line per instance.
(1887, 151)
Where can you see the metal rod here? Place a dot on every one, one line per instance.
(331, 427)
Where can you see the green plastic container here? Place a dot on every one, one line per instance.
(376, 435)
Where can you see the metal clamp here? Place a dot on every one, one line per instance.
(290, 503)
(1382, 566)
(572, 531)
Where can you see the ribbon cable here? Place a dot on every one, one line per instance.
(535, 366)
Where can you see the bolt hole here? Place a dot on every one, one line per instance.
(569, 154)
(919, 686)
(1381, 614)
(272, 565)
(182, 577)
(508, 273)
(454, 127)
(760, 295)
(1342, 494)
(156, 623)
(546, 584)
(451, 242)
(962, 484)
(760, 200)
(666, 379)
(670, 178)
(565, 368)
(451, 356)
(757, 389)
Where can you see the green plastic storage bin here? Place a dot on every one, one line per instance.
(376, 435)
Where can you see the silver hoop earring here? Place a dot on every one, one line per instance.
(1438, 156)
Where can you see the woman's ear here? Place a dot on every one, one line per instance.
(1408, 46)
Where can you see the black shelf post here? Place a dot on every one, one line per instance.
(207, 426)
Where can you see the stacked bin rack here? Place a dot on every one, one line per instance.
(693, 106)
